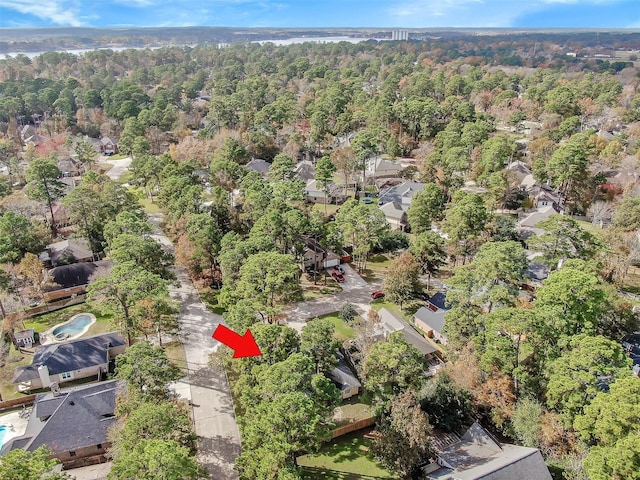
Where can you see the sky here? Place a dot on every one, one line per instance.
(322, 13)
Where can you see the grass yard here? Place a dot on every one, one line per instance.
(13, 360)
(104, 323)
(319, 289)
(345, 458)
(409, 308)
(210, 298)
(175, 353)
(331, 208)
(343, 331)
(377, 266)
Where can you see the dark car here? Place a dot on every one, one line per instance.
(377, 294)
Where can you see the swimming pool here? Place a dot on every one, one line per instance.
(73, 328)
(3, 430)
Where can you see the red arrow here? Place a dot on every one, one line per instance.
(244, 345)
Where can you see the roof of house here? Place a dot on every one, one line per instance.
(528, 182)
(432, 316)
(107, 141)
(75, 418)
(398, 192)
(393, 323)
(68, 276)
(393, 210)
(72, 355)
(78, 247)
(380, 165)
(537, 216)
(23, 334)
(479, 456)
(305, 170)
(258, 165)
(343, 376)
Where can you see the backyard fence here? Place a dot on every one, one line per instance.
(352, 427)
(16, 402)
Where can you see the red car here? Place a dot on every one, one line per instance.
(337, 275)
(377, 294)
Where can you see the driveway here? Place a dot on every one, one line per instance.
(352, 281)
(213, 414)
(118, 168)
(359, 296)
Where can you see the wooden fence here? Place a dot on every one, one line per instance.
(46, 308)
(352, 427)
(17, 402)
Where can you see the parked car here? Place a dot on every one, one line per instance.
(377, 294)
(337, 275)
(340, 269)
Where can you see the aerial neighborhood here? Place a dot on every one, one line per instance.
(410, 259)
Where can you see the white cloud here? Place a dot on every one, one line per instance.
(60, 12)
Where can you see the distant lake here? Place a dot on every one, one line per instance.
(287, 41)
(75, 51)
(291, 41)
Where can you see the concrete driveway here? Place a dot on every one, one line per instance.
(118, 168)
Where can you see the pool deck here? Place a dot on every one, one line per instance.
(19, 425)
(49, 337)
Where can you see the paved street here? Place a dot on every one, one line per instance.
(213, 413)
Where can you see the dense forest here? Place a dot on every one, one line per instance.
(543, 367)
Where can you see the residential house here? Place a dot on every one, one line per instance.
(527, 226)
(401, 193)
(344, 378)
(316, 257)
(430, 319)
(30, 136)
(72, 423)
(68, 280)
(66, 252)
(395, 201)
(391, 322)
(108, 146)
(70, 167)
(315, 193)
(304, 171)
(377, 168)
(479, 456)
(396, 215)
(25, 338)
(71, 360)
(259, 165)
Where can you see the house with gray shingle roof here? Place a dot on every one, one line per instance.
(72, 423)
(430, 319)
(70, 360)
(344, 378)
(479, 456)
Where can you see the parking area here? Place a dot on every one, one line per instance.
(351, 279)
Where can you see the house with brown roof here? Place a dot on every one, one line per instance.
(66, 252)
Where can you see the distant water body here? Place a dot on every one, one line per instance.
(288, 41)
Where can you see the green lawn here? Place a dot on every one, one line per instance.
(312, 290)
(343, 331)
(377, 267)
(13, 360)
(345, 458)
(408, 309)
(331, 208)
(104, 323)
